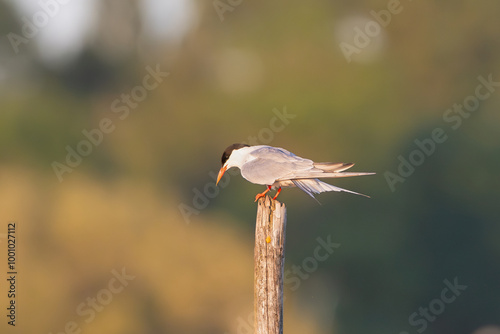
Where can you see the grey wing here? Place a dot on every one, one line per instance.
(271, 164)
(314, 174)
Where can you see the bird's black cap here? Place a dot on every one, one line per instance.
(229, 150)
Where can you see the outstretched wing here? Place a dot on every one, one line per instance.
(273, 163)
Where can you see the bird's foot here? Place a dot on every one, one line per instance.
(259, 196)
(262, 194)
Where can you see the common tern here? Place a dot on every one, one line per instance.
(276, 168)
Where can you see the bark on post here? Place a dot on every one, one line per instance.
(269, 260)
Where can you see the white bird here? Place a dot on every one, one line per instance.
(276, 168)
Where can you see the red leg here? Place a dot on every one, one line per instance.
(262, 194)
(279, 190)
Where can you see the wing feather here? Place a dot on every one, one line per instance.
(273, 163)
(315, 186)
(333, 166)
(318, 175)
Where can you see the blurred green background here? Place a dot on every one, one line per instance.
(143, 199)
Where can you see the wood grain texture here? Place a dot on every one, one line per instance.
(269, 261)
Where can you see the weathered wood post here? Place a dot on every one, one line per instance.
(269, 261)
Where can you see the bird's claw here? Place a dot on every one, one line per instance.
(259, 196)
(262, 194)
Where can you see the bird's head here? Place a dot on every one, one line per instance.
(226, 160)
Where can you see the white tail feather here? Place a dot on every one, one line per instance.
(315, 186)
(321, 175)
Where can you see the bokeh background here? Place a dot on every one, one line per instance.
(143, 199)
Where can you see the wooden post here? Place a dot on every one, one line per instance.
(269, 261)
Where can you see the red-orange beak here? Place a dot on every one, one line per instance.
(221, 172)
